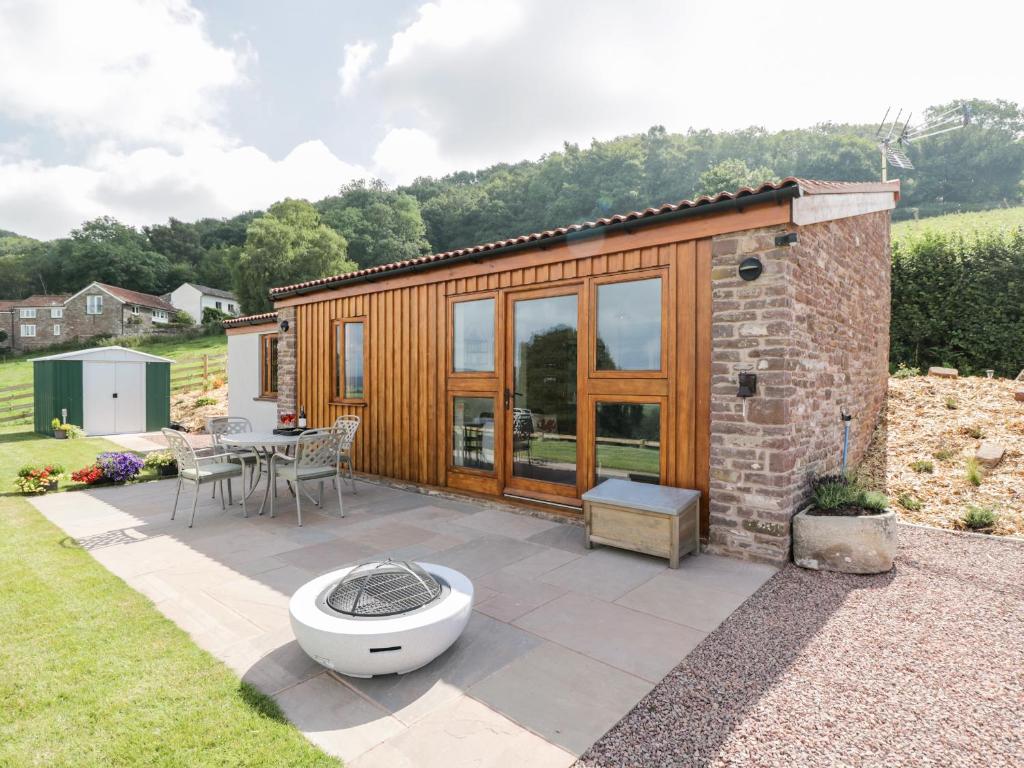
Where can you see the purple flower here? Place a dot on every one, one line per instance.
(119, 467)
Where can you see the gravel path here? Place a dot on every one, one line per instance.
(923, 666)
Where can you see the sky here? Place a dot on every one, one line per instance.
(147, 109)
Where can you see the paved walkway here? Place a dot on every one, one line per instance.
(562, 643)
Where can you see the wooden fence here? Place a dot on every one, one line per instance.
(187, 373)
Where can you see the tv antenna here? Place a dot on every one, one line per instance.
(893, 139)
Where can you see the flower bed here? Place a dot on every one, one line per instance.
(39, 480)
(110, 467)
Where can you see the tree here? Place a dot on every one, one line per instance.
(381, 225)
(288, 244)
(729, 175)
(106, 250)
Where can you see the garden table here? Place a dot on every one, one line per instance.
(265, 445)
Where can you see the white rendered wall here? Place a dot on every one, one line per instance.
(244, 382)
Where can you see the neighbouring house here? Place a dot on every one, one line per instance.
(6, 322)
(37, 321)
(107, 310)
(193, 298)
(710, 344)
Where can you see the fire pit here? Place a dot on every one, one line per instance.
(382, 617)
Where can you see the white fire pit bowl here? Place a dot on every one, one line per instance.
(359, 645)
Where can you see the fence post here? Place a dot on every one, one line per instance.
(206, 372)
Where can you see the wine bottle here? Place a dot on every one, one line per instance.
(302, 418)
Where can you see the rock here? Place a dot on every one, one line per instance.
(943, 373)
(989, 453)
(1019, 396)
(865, 544)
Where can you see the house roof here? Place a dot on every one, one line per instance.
(107, 354)
(789, 187)
(219, 293)
(42, 300)
(6, 305)
(260, 319)
(135, 297)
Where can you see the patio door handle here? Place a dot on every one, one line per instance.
(114, 395)
(508, 397)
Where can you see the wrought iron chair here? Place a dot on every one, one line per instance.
(219, 426)
(347, 426)
(197, 469)
(316, 458)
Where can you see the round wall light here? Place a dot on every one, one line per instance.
(751, 268)
(284, 326)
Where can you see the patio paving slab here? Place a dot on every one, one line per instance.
(547, 662)
(566, 697)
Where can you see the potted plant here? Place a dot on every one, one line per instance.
(89, 475)
(162, 462)
(119, 466)
(65, 431)
(58, 433)
(846, 528)
(39, 480)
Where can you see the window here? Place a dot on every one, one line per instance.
(473, 336)
(629, 326)
(231, 308)
(268, 365)
(27, 314)
(217, 304)
(94, 305)
(473, 433)
(56, 312)
(28, 330)
(628, 442)
(159, 314)
(56, 329)
(349, 360)
(135, 309)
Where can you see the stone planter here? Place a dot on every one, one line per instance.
(864, 544)
(60, 434)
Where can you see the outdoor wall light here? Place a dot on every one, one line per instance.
(748, 385)
(787, 239)
(751, 268)
(284, 326)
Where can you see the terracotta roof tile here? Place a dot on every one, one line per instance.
(263, 317)
(42, 300)
(803, 187)
(137, 297)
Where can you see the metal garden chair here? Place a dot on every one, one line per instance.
(219, 426)
(316, 458)
(347, 427)
(198, 470)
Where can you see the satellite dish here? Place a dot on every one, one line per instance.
(892, 140)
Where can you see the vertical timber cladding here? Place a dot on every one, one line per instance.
(404, 434)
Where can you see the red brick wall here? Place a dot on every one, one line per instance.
(815, 329)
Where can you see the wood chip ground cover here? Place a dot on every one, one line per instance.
(919, 424)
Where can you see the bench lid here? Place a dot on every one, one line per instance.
(646, 496)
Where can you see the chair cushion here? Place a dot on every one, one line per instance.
(287, 471)
(218, 471)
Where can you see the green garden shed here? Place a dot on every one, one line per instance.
(106, 391)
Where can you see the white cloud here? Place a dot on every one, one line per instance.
(405, 153)
(453, 25)
(138, 71)
(357, 59)
(148, 185)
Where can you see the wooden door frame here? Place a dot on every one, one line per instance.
(539, 489)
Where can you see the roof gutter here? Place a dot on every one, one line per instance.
(721, 206)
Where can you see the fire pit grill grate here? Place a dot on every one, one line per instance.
(383, 589)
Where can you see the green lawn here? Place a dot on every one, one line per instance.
(91, 674)
(15, 371)
(998, 219)
(627, 458)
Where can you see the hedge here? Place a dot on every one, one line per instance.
(959, 302)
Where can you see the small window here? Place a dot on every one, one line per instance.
(28, 330)
(473, 336)
(28, 314)
(231, 308)
(159, 314)
(94, 305)
(56, 329)
(218, 305)
(268, 365)
(628, 442)
(349, 360)
(473, 433)
(56, 312)
(629, 326)
(135, 309)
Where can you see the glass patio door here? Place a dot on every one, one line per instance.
(541, 398)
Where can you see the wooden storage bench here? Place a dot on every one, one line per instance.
(653, 519)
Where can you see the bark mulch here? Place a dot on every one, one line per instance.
(923, 666)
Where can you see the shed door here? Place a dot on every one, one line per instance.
(115, 397)
(99, 382)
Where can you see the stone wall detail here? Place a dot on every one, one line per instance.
(286, 362)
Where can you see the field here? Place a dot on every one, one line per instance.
(998, 220)
(18, 371)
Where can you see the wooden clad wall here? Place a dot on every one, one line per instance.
(405, 425)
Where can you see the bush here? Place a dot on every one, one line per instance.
(905, 372)
(923, 465)
(833, 492)
(978, 518)
(213, 316)
(181, 317)
(956, 301)
(909, 502)
(973, 472)
(944, 454)
(204, 401)
(974, 432)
